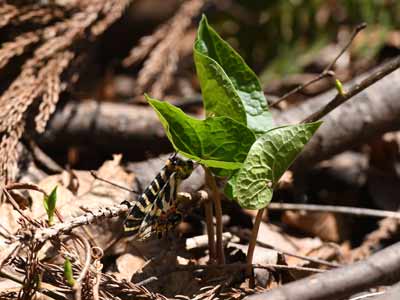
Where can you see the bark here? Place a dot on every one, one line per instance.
(106, 126)
(382, 268)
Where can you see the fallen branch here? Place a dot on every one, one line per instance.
(381, 268)
(43, 234)
(356, 211)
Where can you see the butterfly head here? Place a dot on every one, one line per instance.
(182, 168)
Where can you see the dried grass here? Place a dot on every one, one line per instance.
(52, 48)
(163, 50)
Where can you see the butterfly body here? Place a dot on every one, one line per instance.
(155, 211)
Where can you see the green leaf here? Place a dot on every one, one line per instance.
(229, 87)
(230, 186)
(49, 203)
(68, 275)
(218, 142)
(269, 157)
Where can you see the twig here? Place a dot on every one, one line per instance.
(201, 241)
(43, 234)
(242, 266)
(95, 176)
(252, 246)
(326, 72)
(357, 211)
(25, 186)
(381, 268)
(365, 296)
(288, 253)
(11, 250)
(77, 288)
(340, 99)
(147, 280)
(15, 204)
(210, 180)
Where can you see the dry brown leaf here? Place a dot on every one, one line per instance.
(327, 226)
(127, 265)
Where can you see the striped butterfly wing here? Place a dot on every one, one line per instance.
(144, 205)
(156, 220)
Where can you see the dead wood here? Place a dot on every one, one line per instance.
(121, 127)
(110, 126)
(382, 268)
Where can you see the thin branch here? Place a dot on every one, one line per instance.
(77, 288)
(356, 211)
(288, 253)
(365, 296)
(25, 186)
(95, 176)
(356, 30)
(242, 266)
(15, 204)
(326, 72)
(44, 234)
(201, 241)
(340, 99)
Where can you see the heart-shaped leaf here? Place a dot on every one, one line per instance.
(269, 157)
(229, 87)
(217, 142)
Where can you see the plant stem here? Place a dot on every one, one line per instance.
(210, 180)
(252, 246)
(208, 211)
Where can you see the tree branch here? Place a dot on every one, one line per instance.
(381, 268)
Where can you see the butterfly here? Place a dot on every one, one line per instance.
(156, 211)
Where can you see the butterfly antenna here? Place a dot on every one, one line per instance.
(95, 176)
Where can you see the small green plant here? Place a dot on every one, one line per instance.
(49, 203)
(68, 275)
(238, 135)
(237, 139)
